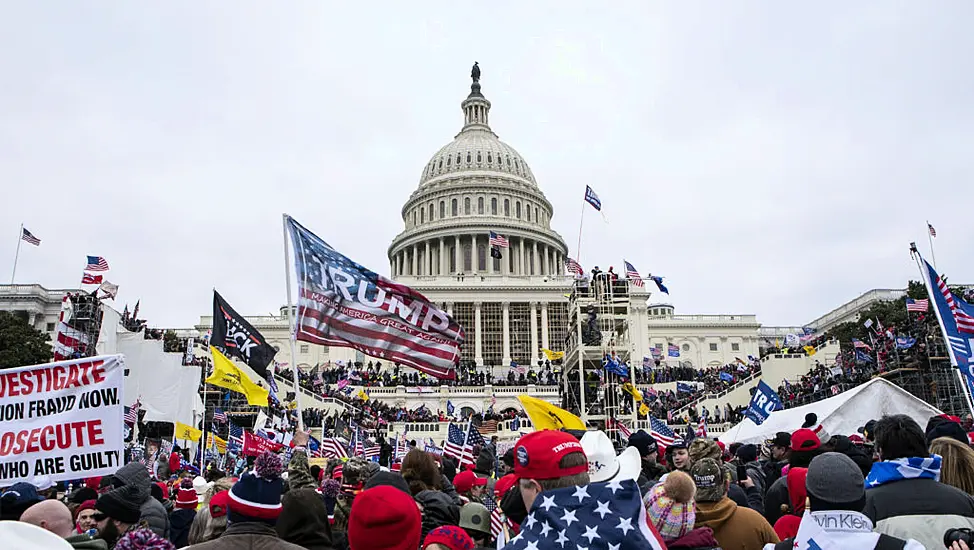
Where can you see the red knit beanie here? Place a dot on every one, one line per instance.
(384, 518)
(450, 536)
(186, 497)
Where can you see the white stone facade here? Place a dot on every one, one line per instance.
(41, 306)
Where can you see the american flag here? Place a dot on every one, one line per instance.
(333, 447)
(29, 237)
(633, 275)
(487, 427)
(383, 319)
(96, 263)
(574, 267)
(619, 426)
(219, 416)
(314, 448)
(131, 414)
(965, 323)
(702, 427)
(372, 451)
(401, 446)
(598, 515)
(500, 241)
(91, 279)
(460, 446)
(859, 344)
(234, 438)
(920, 306)
(661, 432)
(933, 232)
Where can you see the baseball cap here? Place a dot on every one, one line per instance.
(475, 517)
(643, 442)
(466, 480)
(504, 484)
(537, 454)
(709, 479)
(805, 440)
(781, 439)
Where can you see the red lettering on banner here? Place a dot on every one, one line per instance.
(46, 438)
(15, 384)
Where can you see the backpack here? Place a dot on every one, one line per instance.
(885, 542)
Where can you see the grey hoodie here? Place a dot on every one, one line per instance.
(153, 512)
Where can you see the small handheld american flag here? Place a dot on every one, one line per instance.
(29, 237)
(917, 306)
(96, 263)
(219, 416)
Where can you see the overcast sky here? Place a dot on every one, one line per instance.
(765, 159)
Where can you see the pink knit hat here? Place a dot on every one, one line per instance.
(670, 506)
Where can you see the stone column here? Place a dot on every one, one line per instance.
(449, 309)
(535, 264)
(544, 327)
(415, 264)
(547, 259)
(521, 270)
(505, 259)
(427, 261)
(507, 333)
(534, 333)
(474, 255)
(457, 258)
(443, 260)
(479, 337)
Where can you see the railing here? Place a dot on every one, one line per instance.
(712, 395)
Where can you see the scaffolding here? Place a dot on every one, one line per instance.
(933, 379)
(599, 316)
(81, 323)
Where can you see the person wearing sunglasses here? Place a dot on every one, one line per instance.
(117, 512)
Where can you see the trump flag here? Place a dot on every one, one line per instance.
(341, 303)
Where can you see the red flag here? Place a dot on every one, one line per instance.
(254, 445)
(89, 279)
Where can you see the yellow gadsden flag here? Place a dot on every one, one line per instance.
(809, 350)
(552, 355)
(221, 444)
(229, 376)
(187, 433)
(546, 416)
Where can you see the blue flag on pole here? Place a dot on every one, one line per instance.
(592, 198)
(682, 387)
(953, 320)
(763, 403)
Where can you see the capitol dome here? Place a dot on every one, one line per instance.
(474, 185)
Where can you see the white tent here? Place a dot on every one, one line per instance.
(842, 414)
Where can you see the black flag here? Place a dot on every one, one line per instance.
(234, 336)
(495, 252)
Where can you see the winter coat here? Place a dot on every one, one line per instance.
(921, 509)
(774, 498)
(135, 475)
(649, 475)
(247, 536)
(86, 542)
(844, 445)
(449, 490)
(299, 473)
(735, 528)
(180, 521)
(701, 538)
(756, 473)
(304, 520)
(174, 463)
(438, 510)
(748, 498)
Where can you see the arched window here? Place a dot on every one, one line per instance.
(453, 207)
(493, 206)
(536, 218)
(431, 211)
(527, 210)
(468, 157)
(490, 159)
(448, 159)
(467, 259)
(517, 209)
(440, 167)
(414, 217)
(466, 206)
(442, 209)
(482, 257)
(480, 205)
(453, 259)
(422, 217)
(458, 159)
(478, 157)
(507, 208)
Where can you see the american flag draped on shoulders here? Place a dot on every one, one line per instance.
(600, 515)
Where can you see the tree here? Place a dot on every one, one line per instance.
(170, 342)
(890, 313)
(20, 343)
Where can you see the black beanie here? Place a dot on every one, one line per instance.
(121, 504)
(747, 453)
(946, 428)
(391, 479)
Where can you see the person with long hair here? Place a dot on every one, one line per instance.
(957, 468)
(420, 472)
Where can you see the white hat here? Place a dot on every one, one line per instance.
(603, 464)
(201, 486)
(42, 483)
(17, 534)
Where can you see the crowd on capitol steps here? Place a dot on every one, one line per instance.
(895, 484)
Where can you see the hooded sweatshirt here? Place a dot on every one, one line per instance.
(180, 521)
(304, 520)
(735, 527)
(135, 475)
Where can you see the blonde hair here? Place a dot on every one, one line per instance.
(222, 484)
(958, 463)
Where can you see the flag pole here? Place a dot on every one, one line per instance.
(578, 247)
(933, 256)
(20, 237)
(290, 322)
(203, 432)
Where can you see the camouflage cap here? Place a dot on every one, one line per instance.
(710, 480)
(356, 471)
(702, 448)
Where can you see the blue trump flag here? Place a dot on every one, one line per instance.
(682, 387)
(763, 403)
(954, 316)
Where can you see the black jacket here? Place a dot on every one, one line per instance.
(774, 498)
(179, 523)
(921, 509)
(304, 520)
(438, 510)
(649, 476)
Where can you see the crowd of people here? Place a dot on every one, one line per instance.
(895, 485)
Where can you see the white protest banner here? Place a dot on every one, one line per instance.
(62, 420)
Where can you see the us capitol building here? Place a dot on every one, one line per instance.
(512, 306)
